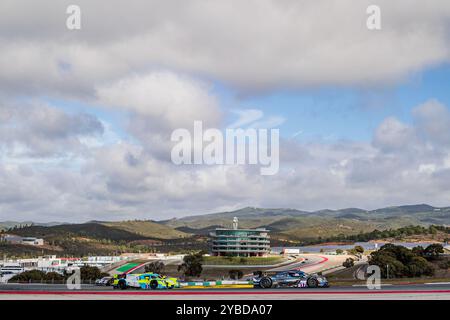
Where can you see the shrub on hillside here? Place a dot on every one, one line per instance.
(444, 264)
(36, 275)
(91, 273)
(348, 263)
(359, 249)
(235, 274)
(433, 251)
(155, 267)
(192, 265)
(398, 261)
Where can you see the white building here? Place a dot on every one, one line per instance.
(10, 238)
(51, 263)
(33, 241)
(290, 251)
(9, 270)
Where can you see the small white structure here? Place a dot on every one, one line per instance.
(290, 251)
(33, 241)
(10, 238)
(235, 223)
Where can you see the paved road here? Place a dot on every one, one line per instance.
(312, 263)
(89, 292)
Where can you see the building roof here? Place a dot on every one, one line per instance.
(231, 229)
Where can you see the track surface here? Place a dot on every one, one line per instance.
(313, 263)
(39, 291)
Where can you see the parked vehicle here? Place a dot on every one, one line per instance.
(105, 281)
(291, 278)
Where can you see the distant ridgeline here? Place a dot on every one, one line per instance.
(101, 239)
(288, 227)
(399, 234)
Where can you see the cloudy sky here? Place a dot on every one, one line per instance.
(86, 115)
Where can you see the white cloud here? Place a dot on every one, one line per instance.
(433, 121)
(170, 99)
(145, 58)
(393, 135)
(40, 130)
(158, 103)
(252, 45)
(124, 180)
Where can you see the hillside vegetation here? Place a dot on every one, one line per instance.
(18, 250)
(74, 240)
(296, 225)
(408, 234)
(84, 230)
(147, 228)
(98, 239)
(287, 227)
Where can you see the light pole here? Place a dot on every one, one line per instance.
(387, 271)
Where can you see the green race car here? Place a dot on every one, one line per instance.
(144, 281)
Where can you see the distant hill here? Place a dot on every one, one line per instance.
(4, 225)
(300, 225)
(103, 238)
(19, 250)
(116, 230)
(148, 228)
(73, 240)
(286, 224)
(248, 218)
(83, 230)
(201, 231)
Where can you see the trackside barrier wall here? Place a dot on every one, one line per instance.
(214, 283)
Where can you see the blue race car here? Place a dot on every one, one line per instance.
(291, 279)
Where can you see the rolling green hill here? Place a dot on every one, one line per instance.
(148, 228)
(291, 224)
(84, 230)
(100, 238)
(18, 250)
(284, 224)
(4, 225)
(73, 240)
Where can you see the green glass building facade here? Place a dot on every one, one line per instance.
(240, 242)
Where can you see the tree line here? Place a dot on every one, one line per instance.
(397, 261)
(86, 273)
(390, 233)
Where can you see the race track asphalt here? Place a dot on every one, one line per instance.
(90, 292)
(309, 263)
